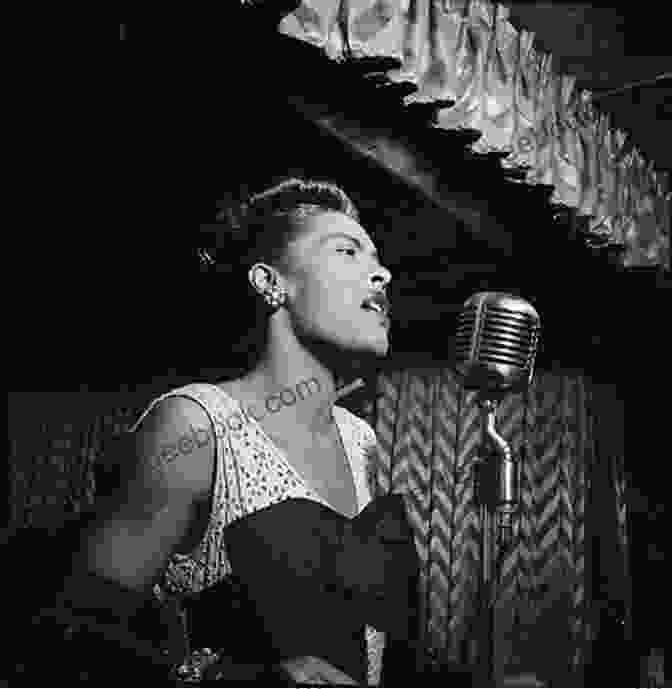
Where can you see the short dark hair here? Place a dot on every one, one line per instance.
(269, 220)
(260, 230)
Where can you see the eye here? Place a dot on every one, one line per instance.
(350, 250)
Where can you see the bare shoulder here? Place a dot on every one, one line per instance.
(175, 445)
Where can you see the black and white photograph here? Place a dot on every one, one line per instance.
(324, 365)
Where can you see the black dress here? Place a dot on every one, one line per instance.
(311, 579)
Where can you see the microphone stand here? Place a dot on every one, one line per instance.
(497, 481)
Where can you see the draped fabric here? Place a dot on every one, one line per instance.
(429, 432)
(564, 427)
(484, 75)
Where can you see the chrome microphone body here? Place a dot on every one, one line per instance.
(496, 343)
(496, 347)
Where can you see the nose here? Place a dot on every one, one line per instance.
(380, 278)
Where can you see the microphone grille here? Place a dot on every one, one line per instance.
(496, 342)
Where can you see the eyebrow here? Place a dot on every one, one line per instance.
(352, 238)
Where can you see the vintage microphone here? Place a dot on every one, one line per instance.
(497, 340)
(496, 346)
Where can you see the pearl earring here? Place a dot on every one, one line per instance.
(275, 296)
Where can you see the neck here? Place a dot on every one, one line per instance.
(309, 374)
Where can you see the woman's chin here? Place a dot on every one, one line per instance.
(381, 349)
(363, 351)
(378, 347)
(356, 349)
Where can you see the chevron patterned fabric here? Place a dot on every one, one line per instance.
(429, 430)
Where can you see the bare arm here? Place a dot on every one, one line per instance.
(140, 525)
(134, 531)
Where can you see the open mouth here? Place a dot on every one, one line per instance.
(374, 307)
(377, 304)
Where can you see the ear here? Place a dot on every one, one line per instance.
(262, 276)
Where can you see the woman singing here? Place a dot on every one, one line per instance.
(265, 476)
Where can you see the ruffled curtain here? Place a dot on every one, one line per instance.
(484, 75)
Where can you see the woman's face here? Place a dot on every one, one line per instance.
(334, 267)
